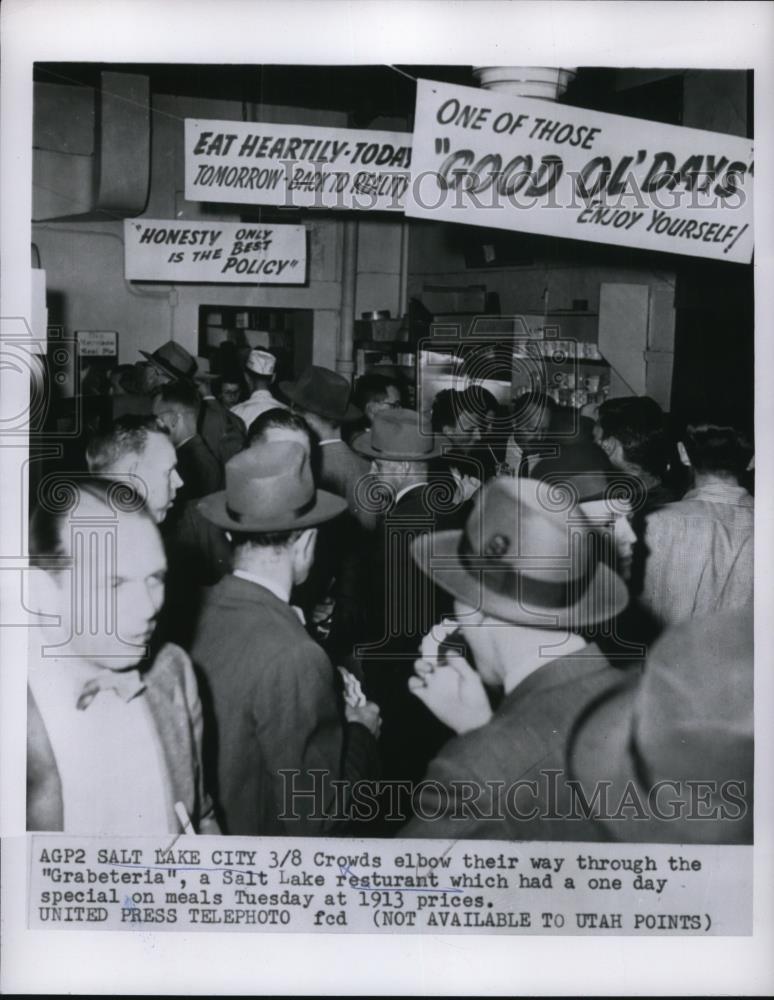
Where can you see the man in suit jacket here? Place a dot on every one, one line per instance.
(176, 406)
(281, 732)
(113, 738)
(529, 588)
(322, 398)
(402, 602)
(221, 430)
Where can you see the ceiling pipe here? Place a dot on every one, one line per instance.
(546, 82)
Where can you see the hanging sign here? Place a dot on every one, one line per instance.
(214, 252)
(296, 166)
(488, 159)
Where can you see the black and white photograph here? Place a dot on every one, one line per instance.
(380, 497)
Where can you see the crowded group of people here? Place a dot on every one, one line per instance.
(298, 607)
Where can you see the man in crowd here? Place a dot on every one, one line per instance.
(322, 397)
(259, 372)
(140, 449)
(683, 729)
(113, 736)
(176, 406)
(222, 431)
(527, 581)
(699, 551)
(631, 430)
(533, 414)
(375, 392)
(276, 717)
(457, 424)
(402, 602)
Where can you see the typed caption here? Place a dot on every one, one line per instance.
(404, 886)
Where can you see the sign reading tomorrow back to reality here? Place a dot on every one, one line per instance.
(165, 250)
(303, 166)
(488, 159)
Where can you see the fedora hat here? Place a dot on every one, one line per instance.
(687, 717)
(397, 435)
(324, 392)
(525, 557)
(173, 360)
(270, 487)
(586, 481)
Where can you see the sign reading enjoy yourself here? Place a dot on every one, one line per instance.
(300, 166)
(489, 159)
(213, 252)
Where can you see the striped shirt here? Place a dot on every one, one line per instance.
(699, 554)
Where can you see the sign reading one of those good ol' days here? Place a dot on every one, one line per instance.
(166, 250)
(489, 159)
(302, 166)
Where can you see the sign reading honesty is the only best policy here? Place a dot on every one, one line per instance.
(489, 159)
(213, 252)
(303, 166)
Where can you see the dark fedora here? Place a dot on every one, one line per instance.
(526, 557)
(324, 392)
(270, 487)
(397, 435)
(585, 482)
(174, 360)
(687, 718)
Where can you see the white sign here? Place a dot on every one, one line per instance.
(214, 252)
(97, 343)
(488, 159)
(300, 166)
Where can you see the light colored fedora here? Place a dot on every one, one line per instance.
(526, 559)
(396, 435)
(686, 719)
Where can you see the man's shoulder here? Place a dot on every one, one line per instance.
(240, 613)
(540, 710)
(171, 669)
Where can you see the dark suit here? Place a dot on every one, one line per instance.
(223, 431)
(340, 544)
(198, 556)
(404, 604)
(272, 700)
(341, 469)
(199, 469)
(526, 739)
(174, 703)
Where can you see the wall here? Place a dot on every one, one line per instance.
(436, 258)
(84, 260)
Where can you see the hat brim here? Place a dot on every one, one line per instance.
(437, 556)
(363, 444)
(326, 506)
(351, 414)
(167, 369)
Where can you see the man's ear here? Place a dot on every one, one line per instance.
(683, 454)
(613, 448)
(306, 543)
(608, 445)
